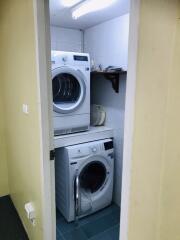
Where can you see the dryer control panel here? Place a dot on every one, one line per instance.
(70, 58)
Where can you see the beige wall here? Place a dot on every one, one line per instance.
(155, 195)
(19, 85)
(4, 188)
(170, 193)
(155, 192)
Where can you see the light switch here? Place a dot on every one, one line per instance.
(25, 108)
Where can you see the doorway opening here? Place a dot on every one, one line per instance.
(89, 70)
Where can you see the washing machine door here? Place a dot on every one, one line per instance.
(93, 178)
(93, 175)
(69, 89)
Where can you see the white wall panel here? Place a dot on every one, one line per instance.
(107, 42)
(65, 39)
(114, 104)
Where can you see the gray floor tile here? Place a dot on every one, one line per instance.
(111, 234)
(101, 236)
(62, 225)
(108, 210)
(89, 226)
(101, 224)
(76, 234)
(59, 236)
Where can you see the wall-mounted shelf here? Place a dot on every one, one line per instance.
(114, 77)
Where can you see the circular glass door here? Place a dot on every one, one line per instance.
(68, 89)
(92, 176)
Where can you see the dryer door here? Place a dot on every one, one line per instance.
(69, 89)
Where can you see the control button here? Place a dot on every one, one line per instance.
(94, 149)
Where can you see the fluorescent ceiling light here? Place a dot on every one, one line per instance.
(91, 6)
(69, 3)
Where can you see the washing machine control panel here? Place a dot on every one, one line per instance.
(108, 145)
(92, 148)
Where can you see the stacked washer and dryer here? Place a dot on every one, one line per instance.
(83, 172)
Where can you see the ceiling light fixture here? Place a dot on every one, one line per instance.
(90, 6)
(70, 3)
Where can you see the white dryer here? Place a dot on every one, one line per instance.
(84, 178)
(71, 91)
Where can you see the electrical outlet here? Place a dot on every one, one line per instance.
(30, 212)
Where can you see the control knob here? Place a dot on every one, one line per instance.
(94, 149)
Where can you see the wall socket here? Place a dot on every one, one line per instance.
(30, 212)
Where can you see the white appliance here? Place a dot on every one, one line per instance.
(84, 178)
(71, 92)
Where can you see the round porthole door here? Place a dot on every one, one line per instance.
(94, 179)
(93, 176)
(69, 89)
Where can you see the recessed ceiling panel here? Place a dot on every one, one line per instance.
(62, 16)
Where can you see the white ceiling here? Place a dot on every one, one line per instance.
(62, 17)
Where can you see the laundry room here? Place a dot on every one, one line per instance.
(89, 55)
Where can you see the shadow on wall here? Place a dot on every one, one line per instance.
(102, 93)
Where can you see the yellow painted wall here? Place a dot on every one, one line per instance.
(4, 188)
(155, 193)
(19, 85)
(170, 193)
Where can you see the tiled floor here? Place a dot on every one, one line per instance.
(103, 225)
(11, 227)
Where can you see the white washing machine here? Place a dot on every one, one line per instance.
(84, 178)
(71, 92)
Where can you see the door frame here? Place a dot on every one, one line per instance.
(129, 117)
(43, 63)
(43, 56)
